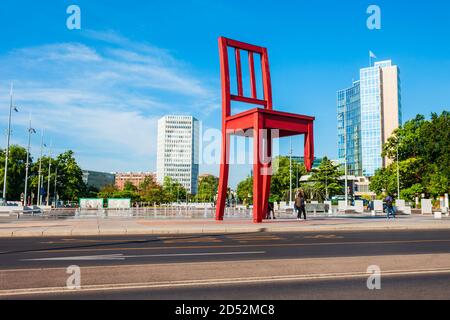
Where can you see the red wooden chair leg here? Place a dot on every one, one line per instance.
(257, 176)
(309, 147)
(223, 181)
(267, 177)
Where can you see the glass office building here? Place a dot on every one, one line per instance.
(372, 111)
(349, 119)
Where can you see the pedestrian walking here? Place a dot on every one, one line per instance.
(271, 211)
(390, 206)
(300, 204)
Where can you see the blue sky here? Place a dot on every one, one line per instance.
(100, 90)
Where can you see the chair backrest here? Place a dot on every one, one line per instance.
(227, 96)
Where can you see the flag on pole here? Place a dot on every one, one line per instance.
(371, 56)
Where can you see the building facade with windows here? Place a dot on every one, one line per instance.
(98, 180)
(349, 119)
(178, 151)
(135, 178)
(368, 114)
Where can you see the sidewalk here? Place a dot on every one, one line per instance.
(95, 227)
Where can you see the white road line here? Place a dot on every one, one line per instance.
(213, 282)
(110, 257)
(123, 257)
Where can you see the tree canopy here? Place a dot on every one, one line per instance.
(325, 181)
(15, 182)
(281, 178)
(423, 156)
(207, 188)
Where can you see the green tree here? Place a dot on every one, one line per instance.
(207, 188)
(70, 184)
(384, 181)
(151, 191)
(174, 191)
(129, 186)
(281, 178)
(245, 191)
(15, 183)
(34, 180)
(325, 180)
(112, 192)
(423, 148)
(108, 192)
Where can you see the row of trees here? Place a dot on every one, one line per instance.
(423, 148)
(71, 187)
(323, 183)
(149, 191)
(169, 192)
(69, 182)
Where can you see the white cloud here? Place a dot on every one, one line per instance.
(103, 100)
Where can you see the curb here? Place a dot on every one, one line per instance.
(49, 232)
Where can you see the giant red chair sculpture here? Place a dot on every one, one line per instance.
(260, 122)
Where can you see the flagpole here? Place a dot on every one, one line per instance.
(8, 144)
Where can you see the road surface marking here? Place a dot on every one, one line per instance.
(250, 237)
(270, 245)
(192, 240)
(111, 257)
(105, 241)
(214, 282)
(324, 236)
(123, 257)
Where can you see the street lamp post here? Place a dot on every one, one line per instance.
(39, 200)
(398, 171)
(290, 172)
(54, 192)
(30, 132)
(8, 141)
(49, 171)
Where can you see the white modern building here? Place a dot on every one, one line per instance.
(178, 151)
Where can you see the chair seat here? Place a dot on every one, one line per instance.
(288, 124)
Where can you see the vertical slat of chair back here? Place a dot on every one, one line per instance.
(251, 64)
(239, 72)
(227, 96)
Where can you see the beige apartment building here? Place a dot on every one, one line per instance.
(136, 178)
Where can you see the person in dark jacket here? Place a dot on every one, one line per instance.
(390, 206)
(300, 204)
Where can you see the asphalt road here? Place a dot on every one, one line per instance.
(130, 253)
(421, 287)
(100, 251)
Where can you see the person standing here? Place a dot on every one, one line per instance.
(297, 203)
(300, 205)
